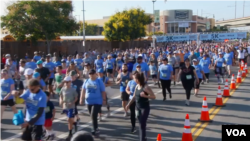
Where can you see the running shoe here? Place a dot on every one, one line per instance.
(133, 130)
(164, 98)
(125, 114)
(69, 137)
(170, 96)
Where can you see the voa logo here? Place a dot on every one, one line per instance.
(236, 132)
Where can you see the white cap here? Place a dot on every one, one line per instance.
(67, 78)
(175, 52)
(220, 52)
(7, 55)
(28, 71)
(194, 60)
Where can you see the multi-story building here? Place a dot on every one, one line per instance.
(171, 21)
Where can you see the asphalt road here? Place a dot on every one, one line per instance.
(166, 117)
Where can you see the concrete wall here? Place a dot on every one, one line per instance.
(171, 14)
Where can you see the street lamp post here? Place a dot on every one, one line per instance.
(153, 37)
(83, 22)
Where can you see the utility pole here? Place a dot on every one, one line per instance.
(243, 8)
(83, 22)
(154, 16)
(79, 25)
(235, 7)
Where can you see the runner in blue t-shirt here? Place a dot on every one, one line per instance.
(130, 89)
(51, 66)
(229, 62)
(200, 75)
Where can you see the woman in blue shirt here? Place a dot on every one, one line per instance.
(93, 91)
(165, 73)
(7, 86)
(205, 65)
(130, 89)
(110, 67)
(200, 73)
(219, 68)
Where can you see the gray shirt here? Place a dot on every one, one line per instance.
(69, 95)
(171, 61)
(191, 57)
(177, 61)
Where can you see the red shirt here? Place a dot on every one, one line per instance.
(3, 60)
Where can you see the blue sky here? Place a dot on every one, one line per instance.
(97, 9)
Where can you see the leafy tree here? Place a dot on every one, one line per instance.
(156, 33)
(127, 25)
(90, 29)
(39, 20)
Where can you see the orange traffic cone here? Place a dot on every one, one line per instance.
(219, 101)
(246, 69)
(232, 85)
(204, 112)
(159, 137)
(238, 77)
(244, 72)
(242, 65)
(226, 90)
(187, 135)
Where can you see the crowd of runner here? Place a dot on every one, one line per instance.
(84, 78)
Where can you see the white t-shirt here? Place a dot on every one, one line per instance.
(241, 55)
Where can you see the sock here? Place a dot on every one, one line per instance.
(70, 132)
(47, 132)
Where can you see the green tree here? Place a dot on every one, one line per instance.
(39, 20)
(127, 25)
(156, 33)
(90, 29)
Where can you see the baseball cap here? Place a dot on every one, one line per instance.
(7, 55)
(92, 71)
(175, 52)
(86, 64)
(67, 78)
(194, 60)
(72, 73)
(48, 55)
(165, 59)
(139, 57)
(220, 52)
(100, 70)
(39, 62)
(36, 75)
(63, 61)
(28, 71)
(138, 65)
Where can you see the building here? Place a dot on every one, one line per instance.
(171, 21)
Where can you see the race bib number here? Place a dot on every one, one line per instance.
(164, 75)
(4, 93)
(189, 77)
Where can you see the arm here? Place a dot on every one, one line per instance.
(82, 97)
(118, 79)
(127, 89)
(133, 99)
(12, 92)
(179, 75)
(150, 92)
(34, 119)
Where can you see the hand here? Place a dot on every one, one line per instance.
(142, 94)
(25, 124)
(104, 102)
(14, 93)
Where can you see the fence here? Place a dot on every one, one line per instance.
(66, 47)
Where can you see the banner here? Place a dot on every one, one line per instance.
(183, 24)
(176, 38)
(223, 36)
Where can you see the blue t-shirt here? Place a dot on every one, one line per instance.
(5, 87)
(109, 64)
(220, 62)
(152, 69)
(119, 64)
(42, 83)
(165, 71)
(33, 102)
(186, 56)
(51, 67)
(205, 64)
(37, 58)
(99, 64)
(198, 70)
(228, 58)
(106, 79)
(57, 63)
(78, 63)
(131, 84)
(144, 67)
(94, 89)
(215, 57)
(31, 65)
(130, 66)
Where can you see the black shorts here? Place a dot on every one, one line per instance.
(173, 70)
(124, 96)
(154, 76)
(50, 81)
(241, 60)
(32, 132)
(9, 102)
(110, 71)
